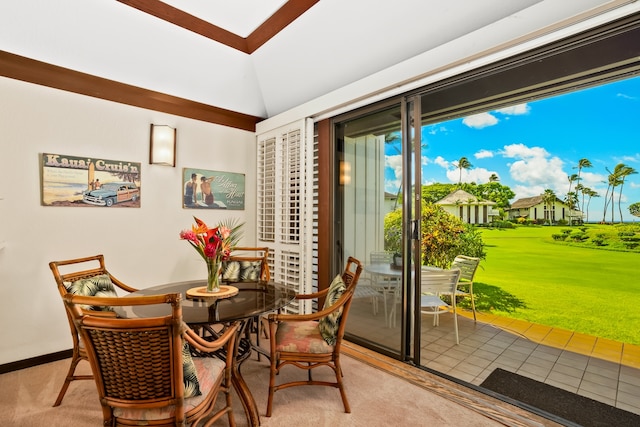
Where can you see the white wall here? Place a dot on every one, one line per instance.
(141, 245)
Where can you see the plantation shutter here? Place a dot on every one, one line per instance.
(285, 205)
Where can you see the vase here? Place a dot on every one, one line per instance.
(213, 275)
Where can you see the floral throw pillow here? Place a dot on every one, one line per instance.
(241, 271)
(96, 286)
(189, 377)
(328, 325)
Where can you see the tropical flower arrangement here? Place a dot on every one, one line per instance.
(214, 245)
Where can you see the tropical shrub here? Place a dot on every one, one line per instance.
(393, 231)
(577, 236)
(502, 224)
(443, 237)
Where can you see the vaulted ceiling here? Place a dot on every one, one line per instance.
(260, 57)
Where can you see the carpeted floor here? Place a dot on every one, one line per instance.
(570, 406)
(377, 398)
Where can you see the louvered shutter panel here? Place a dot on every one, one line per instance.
(285, 205)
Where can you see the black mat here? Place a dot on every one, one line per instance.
(569, 406)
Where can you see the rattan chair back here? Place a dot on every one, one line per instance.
(245, 253)
(138, 362)
(66, 272)
(309, 360)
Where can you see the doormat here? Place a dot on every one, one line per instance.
(562, 403)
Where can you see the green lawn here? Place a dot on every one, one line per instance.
(527, 276)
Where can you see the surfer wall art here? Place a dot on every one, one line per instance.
(89, 181)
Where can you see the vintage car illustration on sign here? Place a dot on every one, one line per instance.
(110, 193)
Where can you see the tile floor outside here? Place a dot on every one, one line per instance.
(601, 369)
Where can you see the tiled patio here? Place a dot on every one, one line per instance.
(601, 369)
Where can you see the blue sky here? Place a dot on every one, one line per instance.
(537, 145)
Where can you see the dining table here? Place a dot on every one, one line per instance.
(210, 314)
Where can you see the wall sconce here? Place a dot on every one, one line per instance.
(162, 149)
(345, 172)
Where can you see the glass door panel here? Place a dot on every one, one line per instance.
(369, 188)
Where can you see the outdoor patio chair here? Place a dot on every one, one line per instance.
(468, 267)
(433, 284)
(388, 287)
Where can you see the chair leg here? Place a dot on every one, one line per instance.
(232, 420)
(455, 324)
(70, 377)
(343, 393)
(273, 367)
(473, 306)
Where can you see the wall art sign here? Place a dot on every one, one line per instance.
(89, 181)
(205, 189)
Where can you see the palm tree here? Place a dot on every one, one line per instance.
(494, 178)
(583, 163)
(571, 200)
(612, 182)
(589, 193)
(622, 171)
(548, 197)
(463, 163)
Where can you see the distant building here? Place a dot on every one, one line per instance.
(534, 208)
(391, 202)
(468, 207)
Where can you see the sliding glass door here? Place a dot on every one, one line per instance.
(375, 185)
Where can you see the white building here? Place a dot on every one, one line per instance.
(534, 208)
(468, 207)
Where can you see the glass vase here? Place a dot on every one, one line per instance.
(213, 275)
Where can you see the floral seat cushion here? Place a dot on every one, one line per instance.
(301, 337)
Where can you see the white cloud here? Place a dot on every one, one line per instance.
(624, 95)
(515, 110)
(395, 163)
(631, 159)
(515, 151)
(479, 121)
(536, 169)
(483, 154)
(477, 175)
(435, 129)
(523, 191)
(440, 161)
(592, 180)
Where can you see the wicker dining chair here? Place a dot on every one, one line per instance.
(247, 264)
(87, 276)
(143, 368)
(309, 341)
